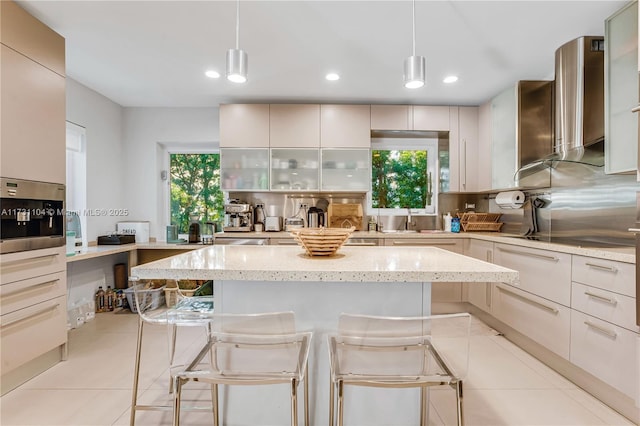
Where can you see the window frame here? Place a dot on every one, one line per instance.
(429, 144)
(166, 150)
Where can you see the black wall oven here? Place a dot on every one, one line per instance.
(32, 215)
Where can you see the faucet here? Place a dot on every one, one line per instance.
(407, 225)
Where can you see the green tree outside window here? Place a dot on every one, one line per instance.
(195, 189)
(400, 179)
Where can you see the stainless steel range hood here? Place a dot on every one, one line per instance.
(579, 106)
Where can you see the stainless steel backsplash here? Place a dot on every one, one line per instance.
(583, 206)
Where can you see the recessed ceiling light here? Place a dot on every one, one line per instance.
(450, 79)
(332, 76)
(212, 74)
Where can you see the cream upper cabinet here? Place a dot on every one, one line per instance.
(294, 126)
(345, 126)
(483, 159)
(244, 126)
(468, 149)
(391, 117)
(435, 118)
(621, 90)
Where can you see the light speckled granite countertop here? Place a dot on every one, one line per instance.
(351, 264)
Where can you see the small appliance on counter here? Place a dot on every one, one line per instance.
(273, 223)
(116, 239)
(291, 223)
(315, 217)
(238, 217)
(194, 229)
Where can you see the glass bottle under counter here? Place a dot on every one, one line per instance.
(294, 169)
(244, 169)
(346, 169)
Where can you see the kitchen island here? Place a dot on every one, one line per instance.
(393, 281)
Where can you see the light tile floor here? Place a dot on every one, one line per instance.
(505, 386)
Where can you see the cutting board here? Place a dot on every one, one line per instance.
(344, 215)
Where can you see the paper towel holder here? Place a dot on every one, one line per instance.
(510, 199)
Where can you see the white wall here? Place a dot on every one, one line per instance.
(144, 129)
(102, 119)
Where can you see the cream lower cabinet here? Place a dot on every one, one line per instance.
(479, 294)
(33, 318)
(603, 327)
(440, 292)
(538, 306)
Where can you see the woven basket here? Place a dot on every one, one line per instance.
(322, 241)
(480, 221)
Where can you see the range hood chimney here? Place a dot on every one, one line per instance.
(579, 97)
(579, 106)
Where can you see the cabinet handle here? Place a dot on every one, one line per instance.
(523, 253)
(464, 166)
(603, 267)
(286, 243)
(602, 298)
(530, 301)
(23, 289)
(360, 244)
(33, 315)
(44, 256)
(636, 109)
(601, 329)
(421, 243)
(637, 230)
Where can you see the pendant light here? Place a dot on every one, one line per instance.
(414, 66)
(237, 59)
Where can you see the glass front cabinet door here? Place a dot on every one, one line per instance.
(244, 169)
(346, 169)
(294, 169)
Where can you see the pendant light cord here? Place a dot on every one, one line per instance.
(414, 27)
(238, 25)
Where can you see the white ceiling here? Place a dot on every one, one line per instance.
(154, 53)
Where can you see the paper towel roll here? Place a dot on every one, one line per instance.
(510, 199)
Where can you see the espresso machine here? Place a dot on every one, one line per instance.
(238, 217)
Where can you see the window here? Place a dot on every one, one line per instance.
(76, 187)
(404, 175)
(195, 189)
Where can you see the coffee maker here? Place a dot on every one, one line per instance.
(238, 217)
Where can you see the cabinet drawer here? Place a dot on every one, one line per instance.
(606, 351)
(22, 294)
(610, 275)
(608, 306)
(539, 319)
(544, 273)
(449, 245)
(31, 332)
(34, 263)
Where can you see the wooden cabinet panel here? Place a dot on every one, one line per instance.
(391, 117)
(28, 333)
(469, 164)
(27, 264)
(435, 118)
(294, 126)
(479, 294)
(345, 126)
(244, 126)
(610, 275)
(541, 320)
(32, 135)
(22, 294)
(606, 351)
(25, 34)
(544, 273)
(608, 306)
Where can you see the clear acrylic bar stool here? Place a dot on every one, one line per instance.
(399, 352)
(188, 311)
(251, 349)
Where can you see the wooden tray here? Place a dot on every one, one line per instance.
(321, 241)
(482, 226)
(344, 215)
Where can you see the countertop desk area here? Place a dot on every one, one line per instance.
(393, 281)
